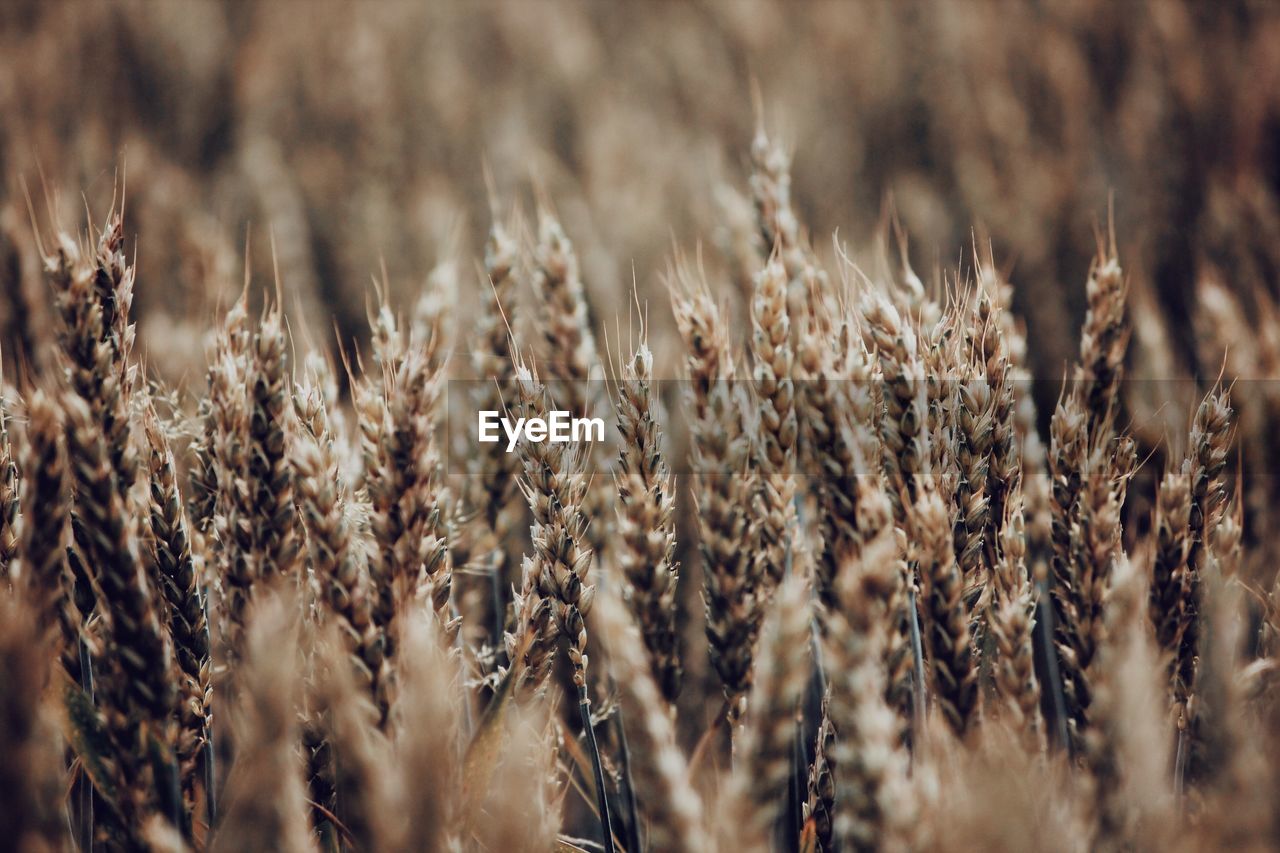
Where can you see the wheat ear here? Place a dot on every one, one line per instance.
(1012, 623)
(427, 738)
(1231, 769)
(139, 697)
(396, 413)
(367, 795)
(763, 749)
(820, 799)
(670, 803)
(225, 500)
(869, 761)
(895, 344)
(841, 412)
(335, 557)
(532, 646)
(93, 290)
(1169, 605)
(955, 675)
(269, 472)
(1210, 442)
(1104, 338)
(493, 482)
(555, 486)
(975, 433)
(10, 502)
(1127, 754)
(720, 456)
(46, 499)
(566, 322)
(646, 521)
(31, 774)
(187, 612)
(266, 800)
(772, 353)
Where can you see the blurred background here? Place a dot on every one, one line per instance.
(358, 133)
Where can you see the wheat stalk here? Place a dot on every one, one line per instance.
(179, 584)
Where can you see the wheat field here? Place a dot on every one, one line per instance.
(935, 352)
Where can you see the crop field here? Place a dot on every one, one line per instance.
(730, 425)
